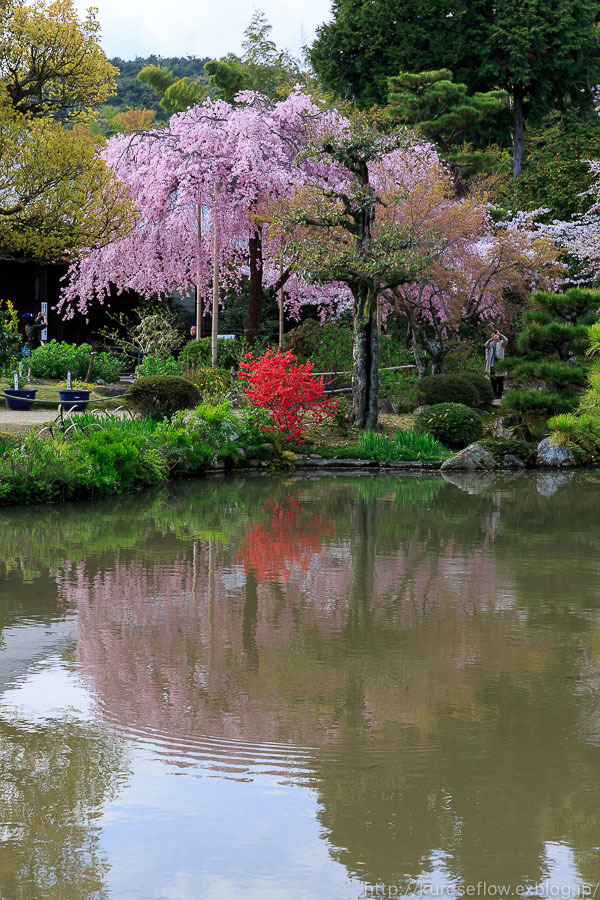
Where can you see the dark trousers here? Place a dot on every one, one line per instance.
(497, 385)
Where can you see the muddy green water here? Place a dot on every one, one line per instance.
(326, 687)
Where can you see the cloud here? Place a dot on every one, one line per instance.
(133, 28)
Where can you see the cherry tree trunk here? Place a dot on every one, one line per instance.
(255, 297)
(365, 374)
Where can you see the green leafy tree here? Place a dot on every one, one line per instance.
(176, 94)
(367, 41)
(56, 195)
(447, 114)
(262, 67)
(544, 54)
(556, 173)
(51, 61)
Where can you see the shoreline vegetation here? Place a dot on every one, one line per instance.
(101, 455)
(109, 454)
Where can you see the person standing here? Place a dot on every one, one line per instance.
(33, 329)
(494, 361)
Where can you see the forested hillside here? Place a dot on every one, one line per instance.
(135, 94)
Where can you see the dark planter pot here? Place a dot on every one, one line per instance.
(74, 400)
(21, 399)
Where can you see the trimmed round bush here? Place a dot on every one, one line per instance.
(454, 424)
(162, 395)
(435, 389)
(482, 385)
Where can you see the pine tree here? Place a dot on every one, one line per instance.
(543, 54)
(445, 113)
(552, 341)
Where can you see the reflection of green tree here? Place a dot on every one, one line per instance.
(484, 765)
(55, 780)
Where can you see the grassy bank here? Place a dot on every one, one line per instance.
(113, 454)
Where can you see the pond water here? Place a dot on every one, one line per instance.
(304, 687)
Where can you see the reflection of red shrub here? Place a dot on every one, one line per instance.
(277, 382)
(291, 534)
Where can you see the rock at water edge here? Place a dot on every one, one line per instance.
(472, 459)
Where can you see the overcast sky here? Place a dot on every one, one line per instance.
(133, 28)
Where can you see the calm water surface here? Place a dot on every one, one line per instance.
(331, 687)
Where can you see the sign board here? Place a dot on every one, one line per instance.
(44, 334)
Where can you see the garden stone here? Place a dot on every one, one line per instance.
(553, 456)
(472, 459)
(267, 449)
(421, 409)
(501, 428)
(386, 407)
(511, 461)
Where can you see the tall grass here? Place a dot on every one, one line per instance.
(406, 445)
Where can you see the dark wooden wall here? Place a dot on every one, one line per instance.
(28, 284)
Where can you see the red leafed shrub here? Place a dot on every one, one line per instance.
(277, 382)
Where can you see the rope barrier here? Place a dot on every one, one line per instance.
(59, 402)
(382, 369)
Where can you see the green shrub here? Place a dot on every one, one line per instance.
(108, 454)
(105, 462)
(158, 365)
(556, 374)
(162, 395)
(55, 359)
(578, 431)
(212, 383)
(400, 388)
(454, 424)
(435, 389)
(500, 447)
(328, 346)
(483, 387)
(546, 403)
(197, 354)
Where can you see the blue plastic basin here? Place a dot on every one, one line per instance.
(19, 399)
(76, 400)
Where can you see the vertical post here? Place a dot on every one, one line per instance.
(281, 318)
(198, 296)
(44, 334)
(379, 315)
(215, 298)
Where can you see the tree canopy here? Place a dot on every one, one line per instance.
(544, 54)
(446, 113)
(51, 62)
(56, 194)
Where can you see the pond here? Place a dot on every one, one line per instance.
(332, 686)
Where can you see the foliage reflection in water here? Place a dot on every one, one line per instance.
(363, 683)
